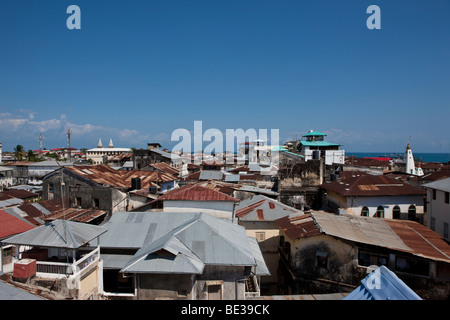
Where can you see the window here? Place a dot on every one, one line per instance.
(322, 259)
(447, 197)
(78, 202)
(214, 289)
(414, 266)
(367, 258)
(365, 212)
(380, 212)
(96, 203)
(434, 194)
(412, 212)
(433, 223)
(396, 212)
(260, 236)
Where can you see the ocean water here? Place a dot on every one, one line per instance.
(425, 157)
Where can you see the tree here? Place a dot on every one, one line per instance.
(18, 152)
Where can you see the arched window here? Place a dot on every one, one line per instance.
(412, 212)
(396, 212)
(365, 212)
(380, 212)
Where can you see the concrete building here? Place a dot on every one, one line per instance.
(438, 207)
(100, 154)
(101, 187)
(314, 146)
(323, 253)
(60, 258)
(178, 256)
(196, 198)
(374, 196)
(257, 215)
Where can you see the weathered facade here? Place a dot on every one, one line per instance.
(322, 252)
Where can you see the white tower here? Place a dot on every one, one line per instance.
(0, 152)
(410, 166)
(111, 145)
(100, 145)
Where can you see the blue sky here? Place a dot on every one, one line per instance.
(137, 70)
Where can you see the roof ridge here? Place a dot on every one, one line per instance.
(226, 239)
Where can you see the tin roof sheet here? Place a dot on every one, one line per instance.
(196, 193)
(191, 239)
(11, 225)
(262, 208)
(58, 234)
(402, 235)
(372, 185)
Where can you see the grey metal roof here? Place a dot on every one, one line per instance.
(258, 190)
(58, 234)
(179, 242)
(9, 292)
(269, 209)
(442, 185)
(261, 267)
(360, 229)
(211, 175)
(10, 202)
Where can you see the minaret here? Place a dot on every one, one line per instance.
(409, 159)
(0, 152)
(100, 145)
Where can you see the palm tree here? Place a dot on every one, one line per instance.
(18, 152)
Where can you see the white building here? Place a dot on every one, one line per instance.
(438, 207)
(314, 146)
(375, 196)
(410, 165)
(195, 198)
(99, 155)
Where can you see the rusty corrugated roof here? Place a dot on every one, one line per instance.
(420, 239)
(196, 193)
(105, 175)
(402, 235)
(371, 185)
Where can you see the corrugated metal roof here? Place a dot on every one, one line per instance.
(402, 235)
(196, 193)
(367, 230)
(420, 239)
(211, 175)
(58, 234)
(382, 284)
(371, 185)
(10, 225)
(172, 242)
(105, 175)
(270, 209)
(442, 185)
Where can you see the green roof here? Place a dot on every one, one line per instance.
(318, 144)
(314, 133)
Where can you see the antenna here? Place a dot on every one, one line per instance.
(69, 133)
(40, 142)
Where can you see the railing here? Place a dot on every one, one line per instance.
(54, 267)
(61, 268)
(86, 260)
